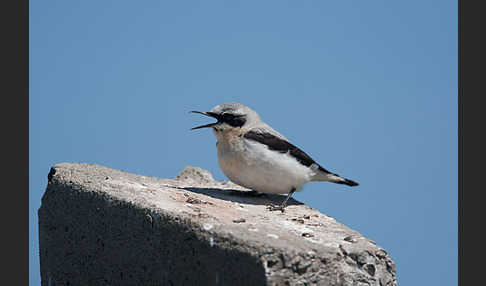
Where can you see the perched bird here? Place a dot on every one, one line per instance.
(253, 155)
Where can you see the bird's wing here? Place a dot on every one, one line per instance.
(265, 128)
(275, 141)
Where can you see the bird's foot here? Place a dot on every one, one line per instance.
(276, 208)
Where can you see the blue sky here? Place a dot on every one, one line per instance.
(367, 88)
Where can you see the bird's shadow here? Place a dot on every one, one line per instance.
(243, 197)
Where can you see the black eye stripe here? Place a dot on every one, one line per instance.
(232, 119)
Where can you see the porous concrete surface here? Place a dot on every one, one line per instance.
(100, 226)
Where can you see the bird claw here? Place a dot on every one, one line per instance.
(276, 208)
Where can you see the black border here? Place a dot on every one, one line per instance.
(15, 135)
(471, 142)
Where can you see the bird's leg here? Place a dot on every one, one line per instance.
(284, 203)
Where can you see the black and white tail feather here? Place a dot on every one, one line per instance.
(323, 175)
(335, 178)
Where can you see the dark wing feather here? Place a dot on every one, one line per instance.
(283, 146)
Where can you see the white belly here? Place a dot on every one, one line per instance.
(254, 166)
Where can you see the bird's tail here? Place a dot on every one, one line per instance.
(339, 180)
(334, 178)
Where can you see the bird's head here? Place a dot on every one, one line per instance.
(229, 116)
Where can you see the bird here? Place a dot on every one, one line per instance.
(255, 156)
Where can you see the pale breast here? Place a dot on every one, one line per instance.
(253, 165)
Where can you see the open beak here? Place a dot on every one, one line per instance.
(210, 114)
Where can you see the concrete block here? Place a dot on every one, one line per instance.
(100, 226)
